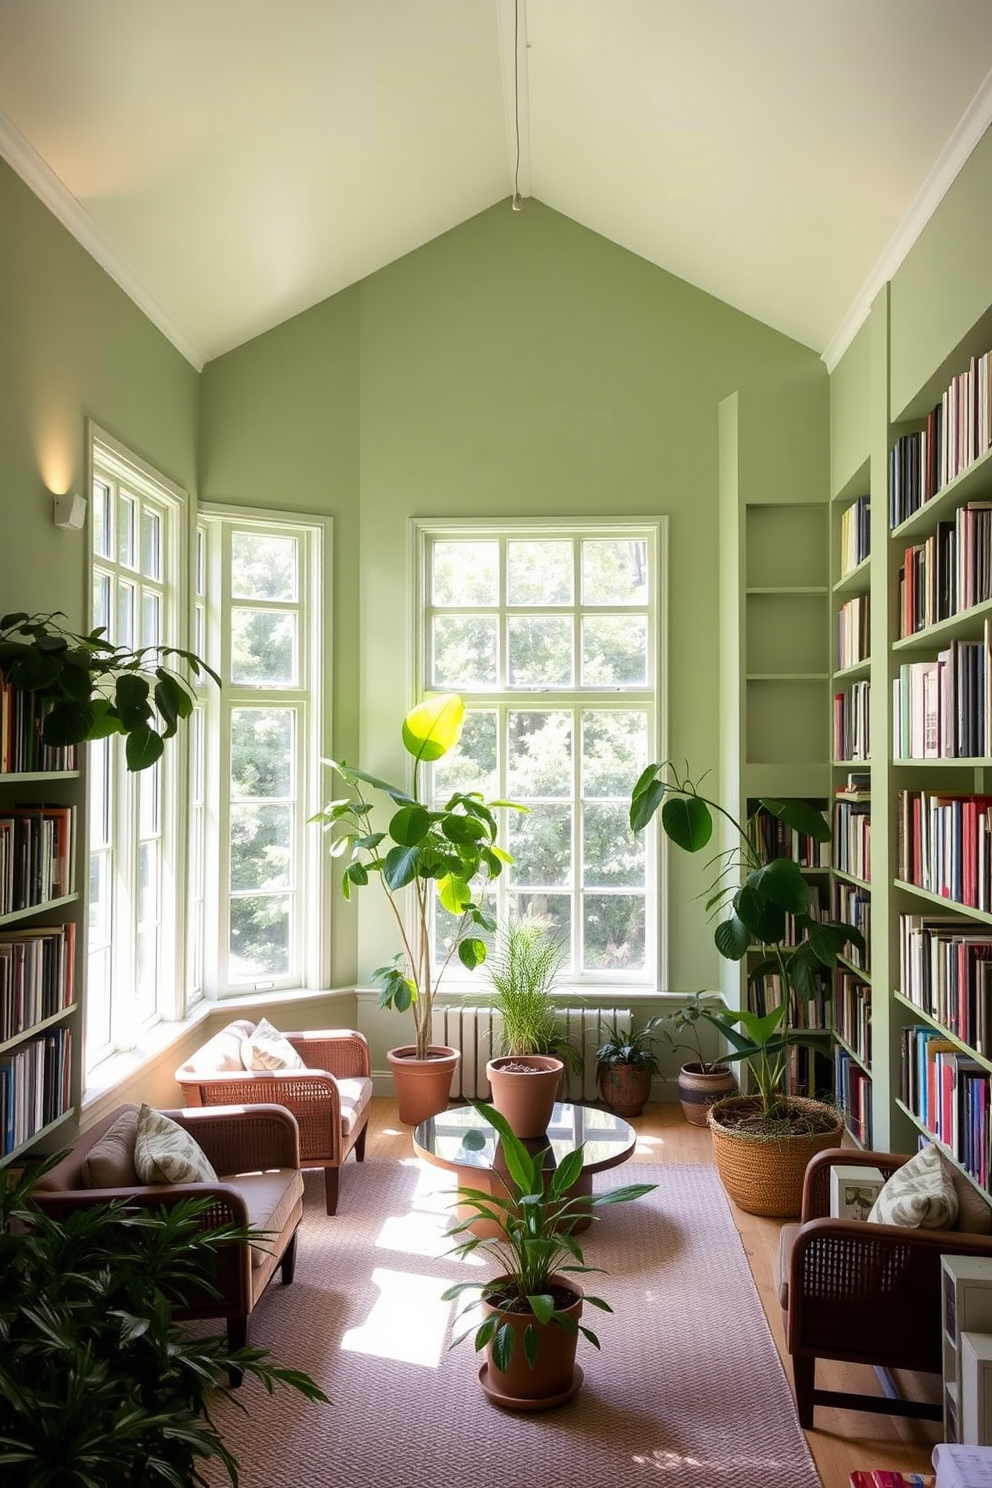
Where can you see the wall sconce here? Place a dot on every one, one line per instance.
(69, 510)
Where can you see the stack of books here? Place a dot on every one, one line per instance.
(961, 1466)
(880, 1477)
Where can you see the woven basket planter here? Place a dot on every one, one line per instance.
(763, 1174)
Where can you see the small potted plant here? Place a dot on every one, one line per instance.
(761, 1141)
(533, 1051)
(625, 1065)
(532, 1308)
(445, 856)
(701, 1080)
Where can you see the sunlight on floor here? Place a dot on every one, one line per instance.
(423, 1229)
(648, 1146)
(407, 1322)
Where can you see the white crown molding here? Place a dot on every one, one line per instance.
(513, 65)
(972, 125)
(25, 160)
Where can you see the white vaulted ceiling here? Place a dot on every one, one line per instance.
(233, 162)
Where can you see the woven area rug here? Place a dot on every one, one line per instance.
(688, 1391)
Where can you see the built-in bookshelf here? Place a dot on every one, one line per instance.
(40, 944)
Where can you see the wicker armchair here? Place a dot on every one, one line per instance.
(865, 1293)
(330, 1099)
(256, 1151)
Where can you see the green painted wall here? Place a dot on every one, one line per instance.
(73, 345)
(518, 365)
(850, 424)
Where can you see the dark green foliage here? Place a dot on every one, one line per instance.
(99, 1386)
(629, 1045)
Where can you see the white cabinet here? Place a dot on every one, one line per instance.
(966, 1308)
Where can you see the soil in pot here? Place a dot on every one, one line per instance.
(554, 1377)
(524, 1090)
(762, 1162)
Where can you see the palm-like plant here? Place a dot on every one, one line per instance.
(534, 1218)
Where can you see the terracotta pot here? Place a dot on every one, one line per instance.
(763, 1172)
(625, 1088)
(422, 1085)
(525, 1088)
(699, 1088)
(554, 1377)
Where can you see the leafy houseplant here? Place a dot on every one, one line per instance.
(767, 900)
(99, 1387)
(625, 1064)
(90, 688)
(445, 855)
(700, 1080)
(531, 1308)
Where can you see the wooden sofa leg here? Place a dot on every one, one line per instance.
(287, 1266)
(804, 1374)
(331, 1189)
(360, 1144)
(237, 1338)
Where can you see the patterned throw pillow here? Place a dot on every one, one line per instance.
(267, 1049)
(919, 1195)
(165, 1153)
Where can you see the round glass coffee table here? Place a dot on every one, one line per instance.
(460, 1140)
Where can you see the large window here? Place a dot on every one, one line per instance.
(553, 635)
(138, 537)
(260, 585)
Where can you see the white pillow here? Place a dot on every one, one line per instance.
(266, 1049)
(164, 1152)
(919, 1195)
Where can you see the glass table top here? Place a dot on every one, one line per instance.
(460, 1137)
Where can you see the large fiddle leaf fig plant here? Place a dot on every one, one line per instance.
(445, 855)
(89, 688)
(764, 904)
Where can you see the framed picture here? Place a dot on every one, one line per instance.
(853, 1191)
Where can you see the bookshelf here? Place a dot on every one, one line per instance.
(41, 946)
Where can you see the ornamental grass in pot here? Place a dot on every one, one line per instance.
(761, 1140)
(444, 855)
(531, 1309)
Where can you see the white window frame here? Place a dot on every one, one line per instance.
(110, 462)
(309, 961)
(424, 531)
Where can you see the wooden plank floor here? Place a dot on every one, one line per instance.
(843, 1440)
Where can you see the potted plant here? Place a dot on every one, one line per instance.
(762, 1141)
(532, 1308)
(701, 1081)
(88, 688)
(445, 856)
(625, 1065)
(98, 1383)
(533, 1051)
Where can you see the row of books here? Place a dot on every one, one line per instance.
(958, 431)
(855, 534)
(881, 1477)
(776, 839)
(852, 738)
(942, 708)
(948, 1092)
(37, 857)
(21, 746)
(853, 634)
(852, 1092)
(765, 993)
(945, 969)
(852, 838)
(945, 845)
(852, 905)
(950, 571)
(852, 1013)
(36, 976)
(34, 1087)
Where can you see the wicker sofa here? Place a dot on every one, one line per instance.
(330, 1098)
(867, 1293)
(254, 1149)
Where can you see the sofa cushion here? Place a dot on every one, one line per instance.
(783, 1260)
(271, 1198)
(355, 1092)
(919, 1195)
(974, 1212)
(110, 1161)
(220, 1053)
(265, 1048)
(164, 1152)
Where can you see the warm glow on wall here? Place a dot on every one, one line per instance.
(56, 457)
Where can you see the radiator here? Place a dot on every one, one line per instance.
(476, 1032)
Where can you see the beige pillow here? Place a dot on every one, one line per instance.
(110, 1161)
(920, 1195)
(266, 1049)
(164, 1152)
(974, 1212)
